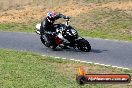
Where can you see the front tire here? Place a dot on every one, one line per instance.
(83, 45)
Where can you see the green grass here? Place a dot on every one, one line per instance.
(17, 27)
(30, 70)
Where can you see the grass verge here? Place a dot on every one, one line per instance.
(95, 33)
(30, 70)
(17, 27)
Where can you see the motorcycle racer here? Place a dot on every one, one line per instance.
(47, 26)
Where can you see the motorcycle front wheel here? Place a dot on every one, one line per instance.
(83, 45)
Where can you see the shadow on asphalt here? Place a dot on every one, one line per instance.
(76, 50)
(70, 49)
(98, 51)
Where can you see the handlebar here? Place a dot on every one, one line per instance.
(66, 17)
(67, 20)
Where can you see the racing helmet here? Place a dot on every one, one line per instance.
(51, 16)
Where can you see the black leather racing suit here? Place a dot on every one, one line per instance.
(47, 28)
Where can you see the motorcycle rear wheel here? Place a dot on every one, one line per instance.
(53, 46)
(43, 41)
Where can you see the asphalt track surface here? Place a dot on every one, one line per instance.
(117, 53)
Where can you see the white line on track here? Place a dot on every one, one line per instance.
(89, 62)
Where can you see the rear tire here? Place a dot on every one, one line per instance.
(44, 41)
(53, 46)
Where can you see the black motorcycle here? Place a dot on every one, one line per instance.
(65, 36)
